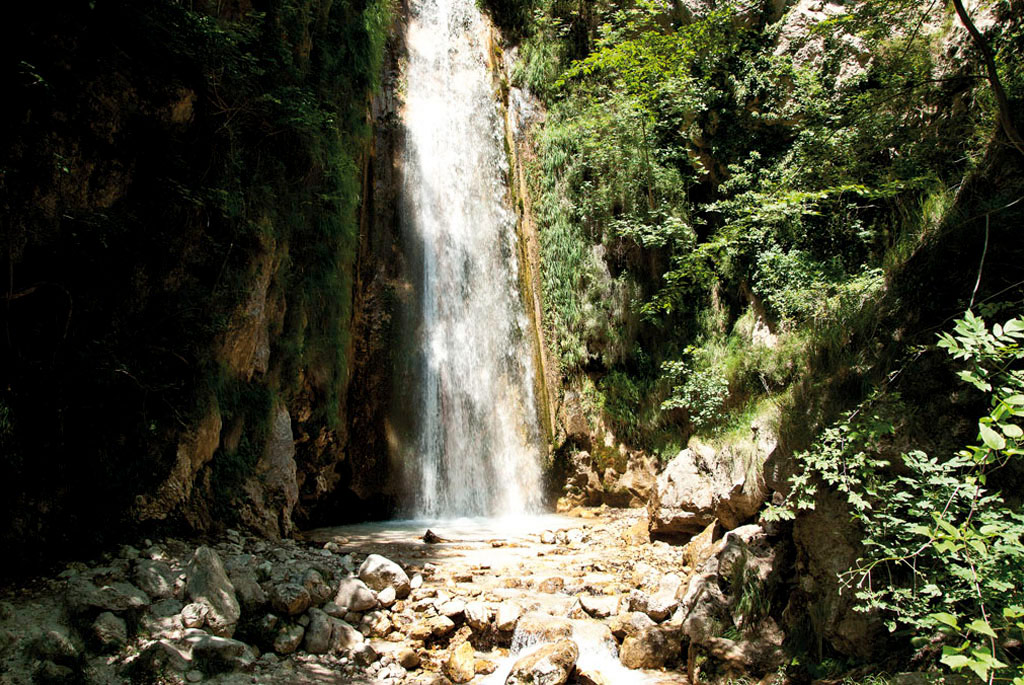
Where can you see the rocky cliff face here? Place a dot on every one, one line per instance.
(180, 194)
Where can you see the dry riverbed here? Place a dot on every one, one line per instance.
(580, 599)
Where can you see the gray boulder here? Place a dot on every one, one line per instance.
(208, 584)
(379, 572)
(354, 595)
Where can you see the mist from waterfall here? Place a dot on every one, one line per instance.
(471, 444)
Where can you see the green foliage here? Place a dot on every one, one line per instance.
(703, 392)
(943, 550)
(687, 164)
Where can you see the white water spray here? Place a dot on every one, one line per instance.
(474, 446)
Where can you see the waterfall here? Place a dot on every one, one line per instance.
(470, 444)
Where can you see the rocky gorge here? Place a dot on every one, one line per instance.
(445, 341)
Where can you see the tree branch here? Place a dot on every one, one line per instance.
(989, 58)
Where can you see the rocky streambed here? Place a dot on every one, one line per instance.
(586, 598)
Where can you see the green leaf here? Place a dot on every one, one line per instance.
(979, 626)
(1011, 430)
(947, 619)
(991, 439)
(955, 661)
(1015, 400)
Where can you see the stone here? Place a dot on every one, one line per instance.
(417, 582)
(379, 572)
(599, 607)
(663, 602)
(290, 599)
(194, 676)
(408, 658)
(628, 624)
(332, 609)
(49, 672)
(538, 627)
(478, 616)
(439, 626)
(551, 585)
(318, 632)
(651, 647)
(547, 538)
(318, 589)
(288, 639)
(387, 597)
(212, 653)
(460, 666)
(194, 615)
(163, 620)
(507, 616)
(165, 654)
(82, 596)
(155, 578)
(58, 644)
(701, 485)
(208, 584)
(551, 664)
(354, 595)
(363, 654)
(248, 590)
(453, 609)
(344, 637)
(110, 632)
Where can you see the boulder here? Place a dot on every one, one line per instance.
(288, 638)
(193, 615)
(344, 637)
(354, 595)
(460, 666)
(651, 647)
(290, 599)
(630, 623)
(110, 632)
(318, 589)
(453, 609)
(155, 578)
(551, 664)
(387, 597)
(83, 597)
(363, 654)
(250, 594)
(318, 632)
(478, 616)
(599, 607)
(408, 658)
(507, 616)
(212, 653)
(379, 572)
(58, 644)
(208, 584)
(701, 485)
(662, 603)
(537, 627)
(551, 585)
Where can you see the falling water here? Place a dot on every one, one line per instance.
(472, 444)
